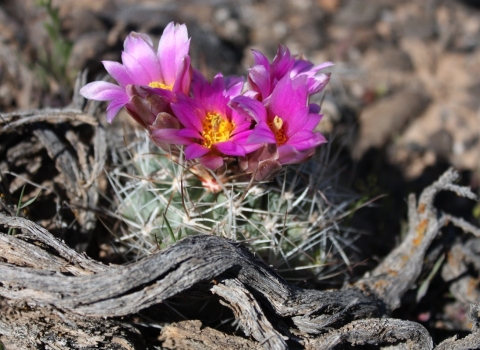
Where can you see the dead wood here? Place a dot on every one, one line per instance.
(75, 144)
(190, 335)
(26, 328)
(271, 311)
(10, 121)
(400, 269)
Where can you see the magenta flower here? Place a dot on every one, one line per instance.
(263, 76)
(285, 119)
(211, 129)
(167, 70)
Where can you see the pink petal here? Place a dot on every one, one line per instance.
(103, 91)
(282, 63)
(300, 66)
(169, 136)
(317, 84)
(312, 122)
(322, 66)
(189, 111)
(302, 140)
(319, 139)
(288, 96)
(211, 162)
(172, 49)
(260, 59)
(230, 148)
(213, 98)
(259, 79)
(143, 52)
(140, 75)
(295, 121)
(249, 148)
(184, 77)
(195, 150)
(199, 82)
(190, 133)
(289, 155)
(247, 107)
(118, 72)
(242, 138)
(241, 122)
(233, 86)
(113, 108)
(262, 134)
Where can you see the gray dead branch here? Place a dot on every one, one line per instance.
(78, 160)
(51, 279)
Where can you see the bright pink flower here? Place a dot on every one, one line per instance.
(263, 76)
(167, 70)
(284, 119)
(211, 129)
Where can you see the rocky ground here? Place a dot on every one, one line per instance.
(402, 106)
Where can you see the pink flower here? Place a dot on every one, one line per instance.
(166, 71)
(263, 76)
(211, 129)
(285, 119)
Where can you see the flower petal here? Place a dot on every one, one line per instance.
(233, 86)
(184, 77)
(189, 111)
(262, 134)
(295, 121)
(103, 91)
(143, 52)
(242, 139)
(211, 162)
(288, 96)
(169, 136)
(312, 122)
(195, 150)
(136, 70)
(113, 108)
(118, 72)
(190, 133)
(259, 80)
(213, 98)
(260, 59)
(303, 140)
(230, 148)
(282, 63)
(289, 155)
(172, 49)
(249, 108)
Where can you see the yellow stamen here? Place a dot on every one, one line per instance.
(159, 85)
(216, 129)
(276, 125)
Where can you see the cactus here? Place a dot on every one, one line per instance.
(290, 222)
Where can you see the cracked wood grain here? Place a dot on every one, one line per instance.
(274, 313)
(400, 269)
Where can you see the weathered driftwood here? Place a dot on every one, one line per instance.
(275, 314)
(191, 335)
(26, 328)
(79, 163)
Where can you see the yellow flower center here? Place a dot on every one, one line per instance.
(216, 129)
(159, 85)
(276, 125)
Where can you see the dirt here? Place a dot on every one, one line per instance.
(402, 105)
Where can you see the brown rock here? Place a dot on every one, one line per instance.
(381, 120)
